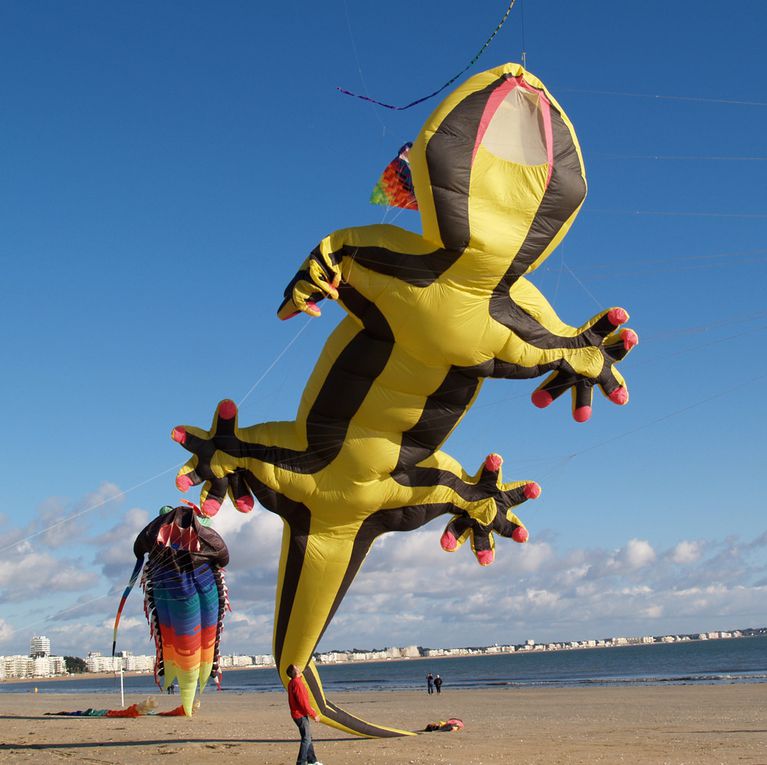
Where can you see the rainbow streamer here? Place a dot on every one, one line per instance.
(133, 578)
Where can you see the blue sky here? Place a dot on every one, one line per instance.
(166, 168)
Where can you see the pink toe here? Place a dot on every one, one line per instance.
(485, 557)
(619, 396)
(617, 316)
(210, 507)
(183, 482)
(630, 339)
(541, 398)
(493, 462)
(178, 434)
(244, 504)
(582, 413)
(227, 409)
(448, 542)
(520, 534)
(532, 490)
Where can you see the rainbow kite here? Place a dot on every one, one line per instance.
(185, 597)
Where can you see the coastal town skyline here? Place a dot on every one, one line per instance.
(40, 663)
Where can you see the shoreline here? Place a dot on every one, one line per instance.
(532, 651)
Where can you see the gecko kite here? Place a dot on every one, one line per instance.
(498, 178)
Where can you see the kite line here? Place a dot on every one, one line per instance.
(448, 83)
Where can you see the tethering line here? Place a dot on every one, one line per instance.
(668, 416)
(447, 84)
(660, 97)
(682, 214)
(58, 613)
(678, 157)
(90, 509)
(359, 65)
(146, 481)
(274, 363)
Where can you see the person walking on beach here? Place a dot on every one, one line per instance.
(430, 683)
(301, 710)
(438, 683)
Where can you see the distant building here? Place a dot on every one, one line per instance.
(39, 646)
(26, 666)
(95, 662)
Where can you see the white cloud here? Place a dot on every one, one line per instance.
(6, 631)
(638, 553)
(686, 552)
(56, 525)
(35, 575)
(115, 547)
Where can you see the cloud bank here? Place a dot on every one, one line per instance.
(409, 590)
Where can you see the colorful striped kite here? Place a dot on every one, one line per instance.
(185, 597)
(395, 186)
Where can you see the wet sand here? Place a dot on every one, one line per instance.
(676, 725)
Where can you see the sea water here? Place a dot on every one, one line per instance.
(736, 660)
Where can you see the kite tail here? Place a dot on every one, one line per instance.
(334, 716)
(133, 578)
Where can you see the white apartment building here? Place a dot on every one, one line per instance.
(39, 646)
(27, 666)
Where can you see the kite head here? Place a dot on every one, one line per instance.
(497, 168)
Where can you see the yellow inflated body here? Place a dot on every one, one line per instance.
(499, 178)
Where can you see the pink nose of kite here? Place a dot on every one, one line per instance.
(448, 542)
(485, 557)
(582, 413)
(493, 462)
(244, 504)
(227, 409)
(617, 316)
(532, 490)
(210, 507)
(619, 396)
(541, 398)
(630, 339)
(183, 483)
(520, 534)
(178, 434)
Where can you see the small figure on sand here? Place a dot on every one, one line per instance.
(301, 710)
(438, 683)
(430, 683)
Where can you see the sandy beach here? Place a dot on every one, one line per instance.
(677, 725)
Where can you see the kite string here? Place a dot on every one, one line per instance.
(448, 83)
(17, 545)
(522, 25)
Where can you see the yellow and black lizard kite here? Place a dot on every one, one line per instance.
(498, 178)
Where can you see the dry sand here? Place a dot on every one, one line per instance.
(677, 725)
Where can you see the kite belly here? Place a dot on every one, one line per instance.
(186, 605)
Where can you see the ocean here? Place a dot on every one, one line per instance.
(737, 660)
